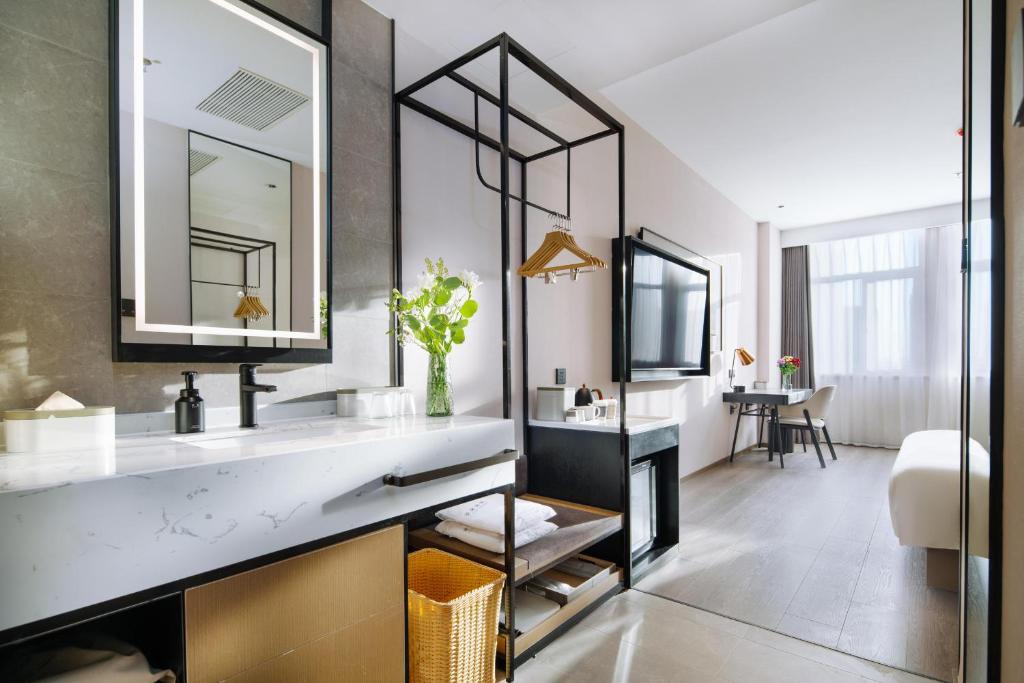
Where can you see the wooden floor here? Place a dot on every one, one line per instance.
(810, 553)
(638, 638)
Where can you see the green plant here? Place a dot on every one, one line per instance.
(324, 312)
(434, 315)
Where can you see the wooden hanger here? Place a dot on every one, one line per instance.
(250, 307)
(555, 242)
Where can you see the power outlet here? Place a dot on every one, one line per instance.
(559, 375)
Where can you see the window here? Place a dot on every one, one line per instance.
(886, 321)
(867, 303)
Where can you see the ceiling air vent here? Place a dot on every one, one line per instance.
(198, 160)
(252, 100)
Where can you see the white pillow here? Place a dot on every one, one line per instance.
(488, 513)
(494, 543)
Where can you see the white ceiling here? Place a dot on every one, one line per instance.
(199, 45)
(236, 187)
(592, 43)
(835, 109)
(839, 109)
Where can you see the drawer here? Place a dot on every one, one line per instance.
(302, 611)
(563, 587)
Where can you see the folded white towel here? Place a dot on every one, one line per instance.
(58, 400)
(488, 513)
(494, 543)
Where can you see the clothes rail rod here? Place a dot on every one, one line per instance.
(574, 143)
(228, 234)
(492, 188)
(515, 113)
(223, 249)
(507, 455)
(457, 126)
(203, 241)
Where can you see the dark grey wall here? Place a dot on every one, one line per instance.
(54, 218)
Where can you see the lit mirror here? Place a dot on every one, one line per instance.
(222, 166)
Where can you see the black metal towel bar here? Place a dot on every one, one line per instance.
(480, 176)
(507, 455)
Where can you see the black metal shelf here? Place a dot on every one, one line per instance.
(508, 48)
(580, 527)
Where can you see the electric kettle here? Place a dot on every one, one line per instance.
(585, 396)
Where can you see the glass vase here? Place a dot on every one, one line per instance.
(440, 402)
(787, 382)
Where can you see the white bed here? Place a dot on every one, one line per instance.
(924, 492)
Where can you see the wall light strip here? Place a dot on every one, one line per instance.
(139, 161)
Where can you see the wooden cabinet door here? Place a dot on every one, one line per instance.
(335, 614)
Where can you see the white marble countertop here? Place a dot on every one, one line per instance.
(143, 454)
(635, 424)
(79, 529)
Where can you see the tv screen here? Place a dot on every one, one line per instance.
(668, 315)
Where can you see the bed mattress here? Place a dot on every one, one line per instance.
(924, 492)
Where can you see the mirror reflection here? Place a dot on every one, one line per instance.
(223, 177)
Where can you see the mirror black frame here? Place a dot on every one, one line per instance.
(131, 352)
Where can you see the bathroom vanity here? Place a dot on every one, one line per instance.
(284, 545)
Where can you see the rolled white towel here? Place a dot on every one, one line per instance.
(488, 513)
(492, 542)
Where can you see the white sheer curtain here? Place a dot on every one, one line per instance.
(886, 316)
(981, 330)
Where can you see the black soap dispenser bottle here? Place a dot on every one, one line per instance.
(189, 414)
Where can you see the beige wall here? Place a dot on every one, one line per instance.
(1013, 458)
(55, 225)
(570, 322)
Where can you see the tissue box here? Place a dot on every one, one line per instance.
(552, 402)
(39, 431)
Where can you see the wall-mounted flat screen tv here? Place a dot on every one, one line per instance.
(667, 311)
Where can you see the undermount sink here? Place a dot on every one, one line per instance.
(264, 435)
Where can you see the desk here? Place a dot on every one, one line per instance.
(770, 399)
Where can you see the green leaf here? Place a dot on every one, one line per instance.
(413, 324)
(442, 297)
(453, 283)
(469, 308)
(439, 322)
(459, 336)
(460, 323)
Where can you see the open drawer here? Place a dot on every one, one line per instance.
(609, 584)
(567, 581)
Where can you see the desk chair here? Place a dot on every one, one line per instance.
(810, 416)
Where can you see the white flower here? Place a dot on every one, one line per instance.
(470, 279)
(413, 294)
(426, 281)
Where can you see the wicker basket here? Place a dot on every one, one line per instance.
(453, 618)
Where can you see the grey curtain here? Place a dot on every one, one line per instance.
(796, 313)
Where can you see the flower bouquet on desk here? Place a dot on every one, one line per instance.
(434, 316)
(788, 365)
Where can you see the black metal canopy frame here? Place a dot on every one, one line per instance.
(507, 47)
(243, 246)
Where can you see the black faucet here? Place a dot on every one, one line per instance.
(247, 389)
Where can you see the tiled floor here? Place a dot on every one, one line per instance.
(810, 553)
(641, 638)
